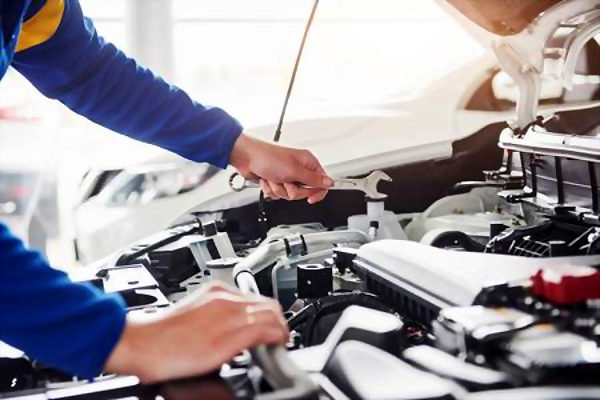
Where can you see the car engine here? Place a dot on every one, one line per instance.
(491, 292)
(505, 307)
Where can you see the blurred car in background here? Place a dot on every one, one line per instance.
(28, 200)
(118, 204)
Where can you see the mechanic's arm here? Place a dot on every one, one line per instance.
(61, 53)
(70, 326)
(79, 330)
(215, 324)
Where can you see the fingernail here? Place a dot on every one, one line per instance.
(327, 181)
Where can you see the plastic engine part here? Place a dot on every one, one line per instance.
(567, 285)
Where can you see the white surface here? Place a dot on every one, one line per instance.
(537, 393)
(393, 375)
(471, 213)
(548, 346)
(454, 278)
(314, 358)
(473, 224)
(441, 363)
(389, 227)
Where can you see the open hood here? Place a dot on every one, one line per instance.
(535, 40)
(502, 17)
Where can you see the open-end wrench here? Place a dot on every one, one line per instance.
(368, 185)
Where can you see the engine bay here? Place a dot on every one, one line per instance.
(485, 293)
(480, 282)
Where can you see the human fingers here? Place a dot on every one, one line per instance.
(309, 171)
(244, 339)
(279, 190)
(207, 292)
(317, 196)
(274, 307)
(298, 193)
(293, 192)
(264, 318)
(266, 188)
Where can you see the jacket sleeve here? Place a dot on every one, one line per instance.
(60, 52)
(72, 327)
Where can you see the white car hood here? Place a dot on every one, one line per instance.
(401, 140)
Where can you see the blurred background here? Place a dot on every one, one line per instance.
(237, 54)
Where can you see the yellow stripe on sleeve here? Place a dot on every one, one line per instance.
(42, 26)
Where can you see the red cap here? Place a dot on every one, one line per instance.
(567, 284)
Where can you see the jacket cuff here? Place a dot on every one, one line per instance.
(226, 135)
(116, 318)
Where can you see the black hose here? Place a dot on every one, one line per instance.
(307, 319)
(128, 258)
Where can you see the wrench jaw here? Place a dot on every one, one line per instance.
(371, 183)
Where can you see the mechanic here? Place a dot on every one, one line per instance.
(74, 327)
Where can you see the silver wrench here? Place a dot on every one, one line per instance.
(368, 185)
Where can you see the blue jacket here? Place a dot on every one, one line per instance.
(72, 326)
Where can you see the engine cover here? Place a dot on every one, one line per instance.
(418, 280)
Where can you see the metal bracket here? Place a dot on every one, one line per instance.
(569, 41)
(295, 246)
(527, 79)
(550, 47)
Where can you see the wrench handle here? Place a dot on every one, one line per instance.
(348, 184)
(239, 183)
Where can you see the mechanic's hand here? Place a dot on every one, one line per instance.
(280, 168)
(197, 337)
